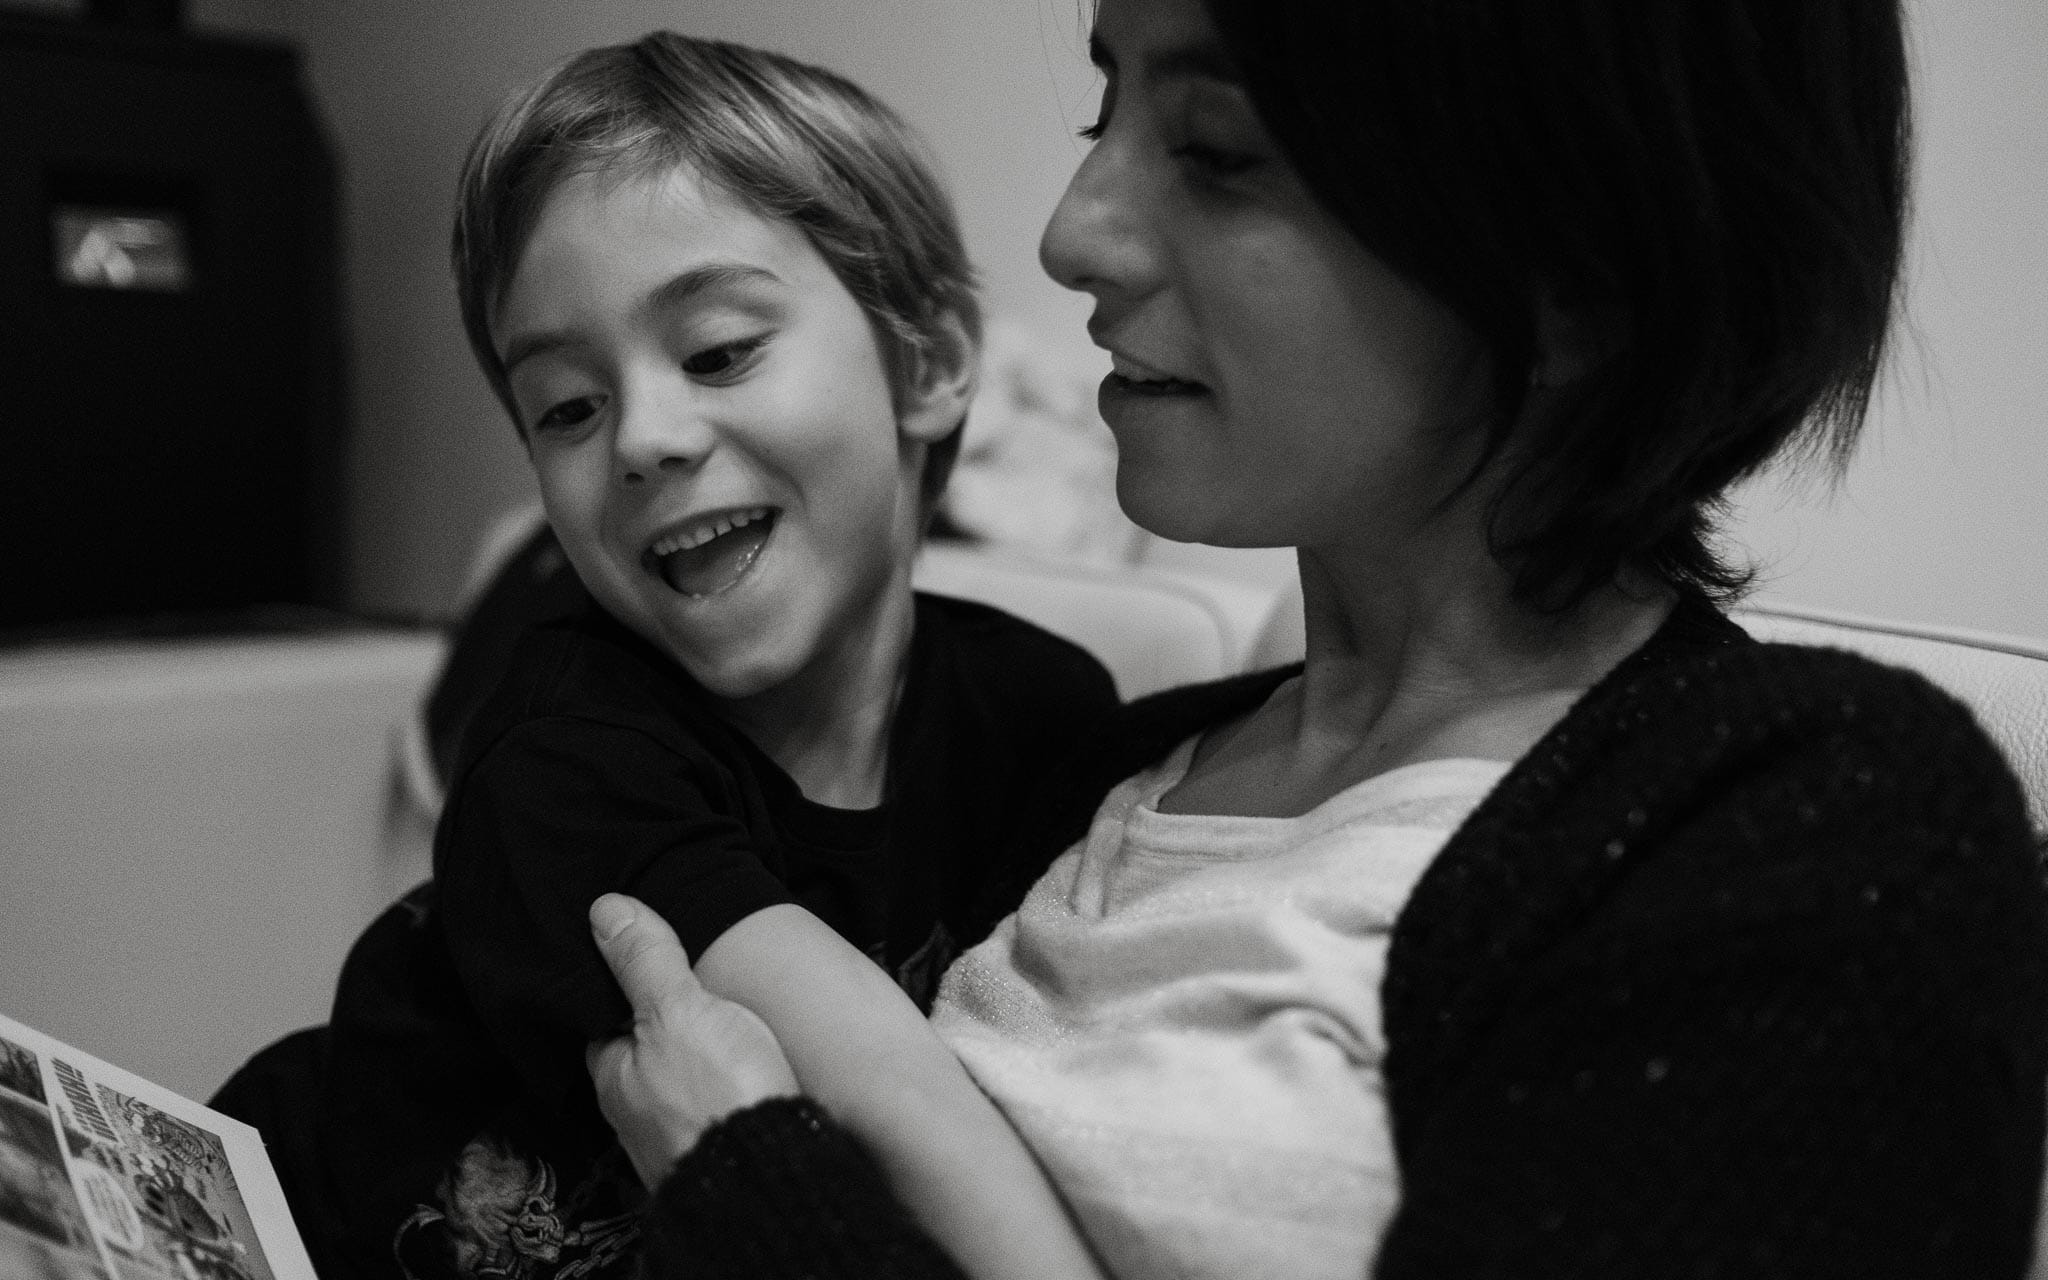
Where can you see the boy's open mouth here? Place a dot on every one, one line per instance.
(709, 556)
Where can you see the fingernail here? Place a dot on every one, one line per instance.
(610, 914)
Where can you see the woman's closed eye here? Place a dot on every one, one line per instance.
(1213, 162)
(1212, 132)
(1203, 157)
(1204, 160)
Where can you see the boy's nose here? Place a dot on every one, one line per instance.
(657, 437)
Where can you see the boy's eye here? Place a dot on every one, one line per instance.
(569, 414)
(726, 360)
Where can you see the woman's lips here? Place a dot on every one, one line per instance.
(1121, 397)
(1143, 377)
(1123, 385)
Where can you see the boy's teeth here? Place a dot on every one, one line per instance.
(697, 535)
(711, 557)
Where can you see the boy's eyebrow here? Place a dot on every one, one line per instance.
(701, 279)
(673, 292)
(528, 345)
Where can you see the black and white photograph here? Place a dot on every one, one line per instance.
(1024, 639)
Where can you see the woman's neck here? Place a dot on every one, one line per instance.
(1388, 639)
(1410, 658)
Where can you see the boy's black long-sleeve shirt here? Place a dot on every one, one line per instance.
(449, 1128)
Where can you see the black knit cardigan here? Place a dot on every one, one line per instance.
(1741, 971)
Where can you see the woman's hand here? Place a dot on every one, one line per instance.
(691, 1059)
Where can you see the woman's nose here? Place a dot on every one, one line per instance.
(657, 435)
(1096, 240)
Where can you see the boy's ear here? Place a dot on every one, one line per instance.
(943, 384)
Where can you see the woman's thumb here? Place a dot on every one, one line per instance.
(642, 951)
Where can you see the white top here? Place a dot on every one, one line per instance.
(1183, 1021)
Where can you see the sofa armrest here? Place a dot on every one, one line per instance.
(1152, 628)
(194, 831)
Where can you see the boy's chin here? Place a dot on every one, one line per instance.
(738, 682)
(733, 672)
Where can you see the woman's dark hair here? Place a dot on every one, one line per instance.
(1718, 186)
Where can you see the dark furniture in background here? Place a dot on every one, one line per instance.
(170, 358)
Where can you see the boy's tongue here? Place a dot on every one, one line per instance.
(718, 564)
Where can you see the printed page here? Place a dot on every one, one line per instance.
(103, 1175)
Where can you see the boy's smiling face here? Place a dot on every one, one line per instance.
(708, 413)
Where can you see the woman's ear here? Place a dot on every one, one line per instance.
(942, 384)
(1572, 343)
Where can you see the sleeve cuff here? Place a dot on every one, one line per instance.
(779, 1189)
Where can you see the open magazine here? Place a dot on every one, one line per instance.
(105, 1175)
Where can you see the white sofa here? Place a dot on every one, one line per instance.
(192, 832)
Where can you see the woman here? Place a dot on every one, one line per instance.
(1541, 923)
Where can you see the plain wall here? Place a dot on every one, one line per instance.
(1943, 516)
(403, 85)
(1940, 518)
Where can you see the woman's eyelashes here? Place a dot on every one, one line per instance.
(1204, 158)
(1093, 132)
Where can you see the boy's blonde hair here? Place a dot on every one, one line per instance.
(795, 142)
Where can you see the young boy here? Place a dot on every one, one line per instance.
(726, 304)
